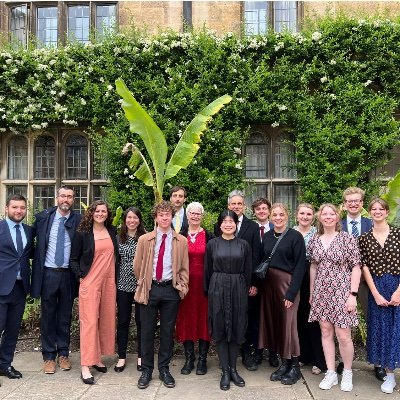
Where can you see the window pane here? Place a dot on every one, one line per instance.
(43, 197)
(287, 194)
(254, 192)
(284, 156)
(17, 189)
(18, 24)
(77, 157)
(80, 197)
(46, 31)
(78, 23)
(285, 15)
(106, 18)
(256, 157)
(256, 17)
(45, 148)
(100, 193)
(17, 158)
(99, 167)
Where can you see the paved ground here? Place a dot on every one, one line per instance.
(68, 385)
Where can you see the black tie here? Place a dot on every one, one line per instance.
(20, 245)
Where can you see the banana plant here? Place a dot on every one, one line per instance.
(392, 196)
(156, 170)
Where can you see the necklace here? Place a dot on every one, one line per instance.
(193, 236)
(276, 234)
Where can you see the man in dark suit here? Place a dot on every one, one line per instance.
(249, 231)
(356, 225)
(177, 196)
(53, 280)
(16, 248)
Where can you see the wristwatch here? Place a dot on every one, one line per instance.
(355, 294)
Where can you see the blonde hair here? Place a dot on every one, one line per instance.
(353, 190)
(280, 205)
(320, 228)
(307, 205)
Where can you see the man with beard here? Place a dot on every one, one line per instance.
(52, 279)
(16, 248)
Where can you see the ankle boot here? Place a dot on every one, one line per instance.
(202, 361)
(284, 367)
(236, 378)
(225, 382)
(189, 354)
(293, 374)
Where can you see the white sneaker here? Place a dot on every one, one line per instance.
(389, 384)
(347, 381)
(329, 380)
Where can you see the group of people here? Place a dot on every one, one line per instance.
(199, 286)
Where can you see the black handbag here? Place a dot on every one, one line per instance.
(262, 269)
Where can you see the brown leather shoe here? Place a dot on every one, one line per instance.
(64, 363)
(49, 367)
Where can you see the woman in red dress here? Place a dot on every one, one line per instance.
(192, 320)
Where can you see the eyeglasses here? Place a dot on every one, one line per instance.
(66, 196)
(194, 214)
(353, 201)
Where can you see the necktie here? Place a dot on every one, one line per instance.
(178, 223)
(354, 229)
(20, 245)
(59, 256)
(160, 259)
(262, 229)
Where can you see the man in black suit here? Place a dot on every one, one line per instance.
(53, 280)
(16, 248)
(177, 196)
(249, 231)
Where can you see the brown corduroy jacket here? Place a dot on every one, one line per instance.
(143, 265)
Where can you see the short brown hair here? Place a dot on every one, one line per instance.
(259, 201)
(380, 201)
(15, 197)
(353, 190)
(164, 206)
(176, 188)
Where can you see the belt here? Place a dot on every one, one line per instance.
(162, 283)
(58, 269)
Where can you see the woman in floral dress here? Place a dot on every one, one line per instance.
(334, 278)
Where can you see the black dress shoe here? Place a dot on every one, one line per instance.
(88, 381)
(225, 382)
(236, 378)
(273, 360)
(167, 378)
(249, 362)
(11, 373)
(340, 367)
(100, 369)
(144, 380)
(119, 369)
(380, 373)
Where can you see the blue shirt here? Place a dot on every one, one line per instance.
(51, 248)
(13, 231)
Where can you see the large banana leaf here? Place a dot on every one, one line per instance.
(187, 146)
(139, 166)
(392, 196)
(153, 138)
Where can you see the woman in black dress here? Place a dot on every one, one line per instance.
(227, 276)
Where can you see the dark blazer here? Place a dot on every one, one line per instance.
(366, 225)
(10, 260)
(184, 226)
(82, 252)
(41, 227)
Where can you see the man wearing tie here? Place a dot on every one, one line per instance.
(356, 225)
(177, 196)
(161, 267)
(52, 279)
(261, 209)
(16, 248)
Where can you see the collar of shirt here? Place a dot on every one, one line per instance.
(266, 225)
(58, 215)
(358, 220)
(160, 233)
(11, 224)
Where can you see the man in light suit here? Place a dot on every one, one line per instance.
(249, 231)
(53, 280)
(16, 248)
(356, 225)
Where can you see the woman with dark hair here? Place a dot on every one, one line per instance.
(380, 256)
(131, 229)
(227, 278)
(94, 257)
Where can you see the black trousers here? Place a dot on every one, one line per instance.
(163, 300)
(124, 303)
(56, 311)
(227, 353)
(253, 324)
(11, 312)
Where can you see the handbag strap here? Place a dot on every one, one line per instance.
(276, 244)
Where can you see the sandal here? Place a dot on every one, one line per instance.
(315, 370)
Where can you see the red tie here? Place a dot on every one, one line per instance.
(262, 229)
(160, 263)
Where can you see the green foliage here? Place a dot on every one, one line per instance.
(392, 196)
(335, 89)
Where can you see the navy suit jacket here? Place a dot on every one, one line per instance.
(184, 225)
(41, 228)
(366, 225)
(10, 260)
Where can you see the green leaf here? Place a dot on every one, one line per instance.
(392, 196)
(118, 215)
(139, 166)
(187, 146)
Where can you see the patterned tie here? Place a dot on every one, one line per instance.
(59, 256)
(178, 222)
(20, 245)
(354, 229)
(262, 229)
(160, 261)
